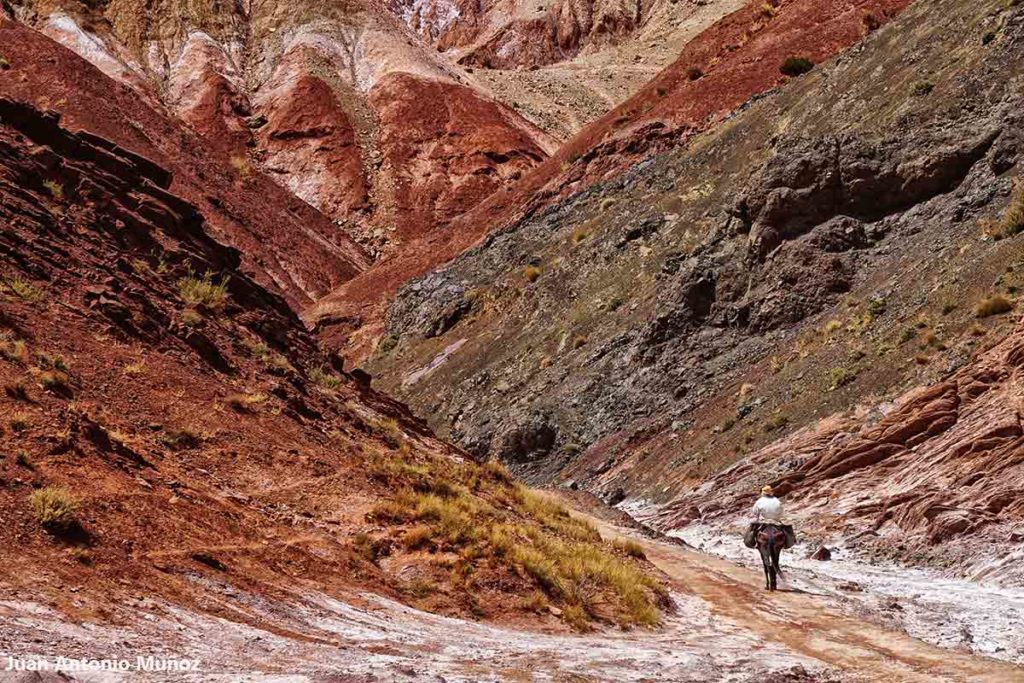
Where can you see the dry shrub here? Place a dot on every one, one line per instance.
(245, 403)
(13, 350)
(477, 513)
(993, 305)
(325, 380)
(630, 547)
(1013, 219)
(54, 508)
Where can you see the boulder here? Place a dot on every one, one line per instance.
(821, 554)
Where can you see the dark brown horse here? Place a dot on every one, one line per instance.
(771, 539)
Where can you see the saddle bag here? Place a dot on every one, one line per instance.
(750, 537)
(790, 535)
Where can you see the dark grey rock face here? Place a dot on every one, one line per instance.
(656, 292)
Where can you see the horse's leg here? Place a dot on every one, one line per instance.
(771, 567)
(765, 562)
(776, 553)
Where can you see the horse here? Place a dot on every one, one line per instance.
(771, 539)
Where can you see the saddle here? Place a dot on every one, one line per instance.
(750, 537)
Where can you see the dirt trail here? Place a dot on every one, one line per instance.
(803, 623)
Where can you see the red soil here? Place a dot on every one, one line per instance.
(446, 149)
(207, 459)
(309, 138)
(288, 245)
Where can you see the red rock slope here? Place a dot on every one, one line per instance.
(170, 432)
(286, 243)
(320, 98)
(930, 478)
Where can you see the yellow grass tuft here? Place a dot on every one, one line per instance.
(203, 291)
(54, 508)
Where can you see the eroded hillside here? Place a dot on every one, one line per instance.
(319, 99)
(171, 435)
(840, 240)
(735, 59)
(562, 64)
(285, 243)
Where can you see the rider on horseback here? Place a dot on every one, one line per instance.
(769, 536)
(768, 507)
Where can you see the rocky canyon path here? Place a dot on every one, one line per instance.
(725, 627)
(807, 625)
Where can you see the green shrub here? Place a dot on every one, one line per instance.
(876, 306)
(22, 460)
(23, 289)
(614, 305)
(180, 439)
(16, 391)
(388, 343)
(796, 66)
(325, 380)
(608, 202)
(48, 362)
(841, 377)
(54, 380)
(54, 508)
(775, 423)
(19, 422)
(134, 369)
(922, 88)
(55, 189)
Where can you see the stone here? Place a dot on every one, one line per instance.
(822, 554)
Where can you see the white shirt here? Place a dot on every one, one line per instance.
(769, 508)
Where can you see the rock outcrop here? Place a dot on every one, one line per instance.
(797, 260)
(937, 477)
(737, 58)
